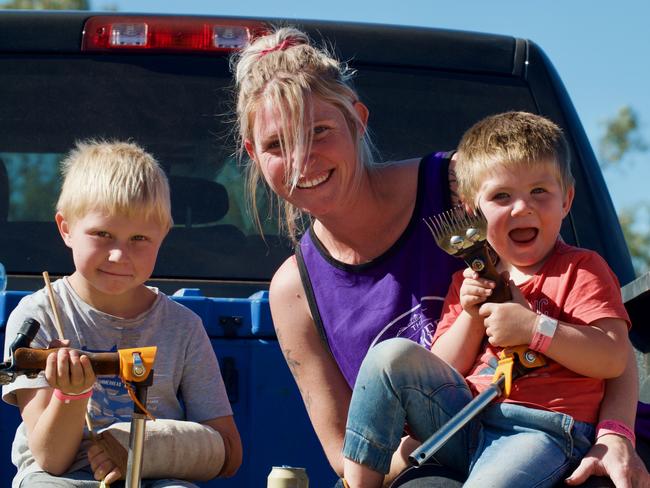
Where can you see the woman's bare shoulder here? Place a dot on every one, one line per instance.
(287, 296)
(286, 278)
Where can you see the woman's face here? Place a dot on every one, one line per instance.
(326, 173)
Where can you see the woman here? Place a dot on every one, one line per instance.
(367, 268)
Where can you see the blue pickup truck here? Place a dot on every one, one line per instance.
(164, 82)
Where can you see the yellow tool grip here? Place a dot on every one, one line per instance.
(507, 357)
(504, 368)
(141, 370)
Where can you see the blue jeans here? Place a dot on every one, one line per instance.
(507, 445)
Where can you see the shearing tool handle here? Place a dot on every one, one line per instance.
(103, 363)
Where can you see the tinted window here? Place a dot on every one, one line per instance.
(179, 109)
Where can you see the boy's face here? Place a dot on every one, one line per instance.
(524, 208)
(113, 254)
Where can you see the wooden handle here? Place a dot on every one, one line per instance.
(481, 262)
(103, 363)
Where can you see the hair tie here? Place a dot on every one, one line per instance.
(287, 43)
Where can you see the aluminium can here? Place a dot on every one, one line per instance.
(287, 477)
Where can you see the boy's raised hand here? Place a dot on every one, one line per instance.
(67, 370)
(474, 291)
(511, 323)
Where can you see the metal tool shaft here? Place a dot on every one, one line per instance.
(136, 451)
(136, 437)
(457, 422)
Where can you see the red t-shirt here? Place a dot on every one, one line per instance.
(574, 286)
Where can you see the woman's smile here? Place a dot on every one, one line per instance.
(314, 181)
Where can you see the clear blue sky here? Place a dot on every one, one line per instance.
(601, 48)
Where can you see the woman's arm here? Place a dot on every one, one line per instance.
(324, 390)
(612, 454)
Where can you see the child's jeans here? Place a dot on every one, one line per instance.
(507, 445)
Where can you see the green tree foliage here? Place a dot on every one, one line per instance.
(46, 4)
(34, 185)
(622, 138)
(638, 241)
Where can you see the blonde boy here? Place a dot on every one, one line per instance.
(113, 213)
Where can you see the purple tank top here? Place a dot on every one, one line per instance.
(398, 294)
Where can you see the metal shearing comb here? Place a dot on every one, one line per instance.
(464, 236)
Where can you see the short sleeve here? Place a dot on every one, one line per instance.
(202, 387)
(595, 292)
(30, 306)
(451, 308)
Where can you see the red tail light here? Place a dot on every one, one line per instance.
(137, 33)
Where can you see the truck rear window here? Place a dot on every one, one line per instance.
(180, 109)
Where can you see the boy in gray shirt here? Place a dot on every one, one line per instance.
(113, 213)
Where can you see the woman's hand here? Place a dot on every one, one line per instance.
(612, 456)
(102, 465)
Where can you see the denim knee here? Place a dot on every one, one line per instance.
(401, 359)
(394, 355)
(399, 380)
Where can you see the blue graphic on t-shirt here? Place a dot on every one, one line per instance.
(110, 401)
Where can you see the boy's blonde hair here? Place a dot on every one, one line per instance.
(510, 140)
(115, 177)
(282, 70)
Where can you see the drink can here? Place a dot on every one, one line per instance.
(287, 477)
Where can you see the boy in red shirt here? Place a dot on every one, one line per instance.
(566, 305)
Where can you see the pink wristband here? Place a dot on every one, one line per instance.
(544, 332)
(605, 427)
(65, 398)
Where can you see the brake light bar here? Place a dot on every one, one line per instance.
(138, 33)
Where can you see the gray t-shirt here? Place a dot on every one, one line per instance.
(187, 382)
